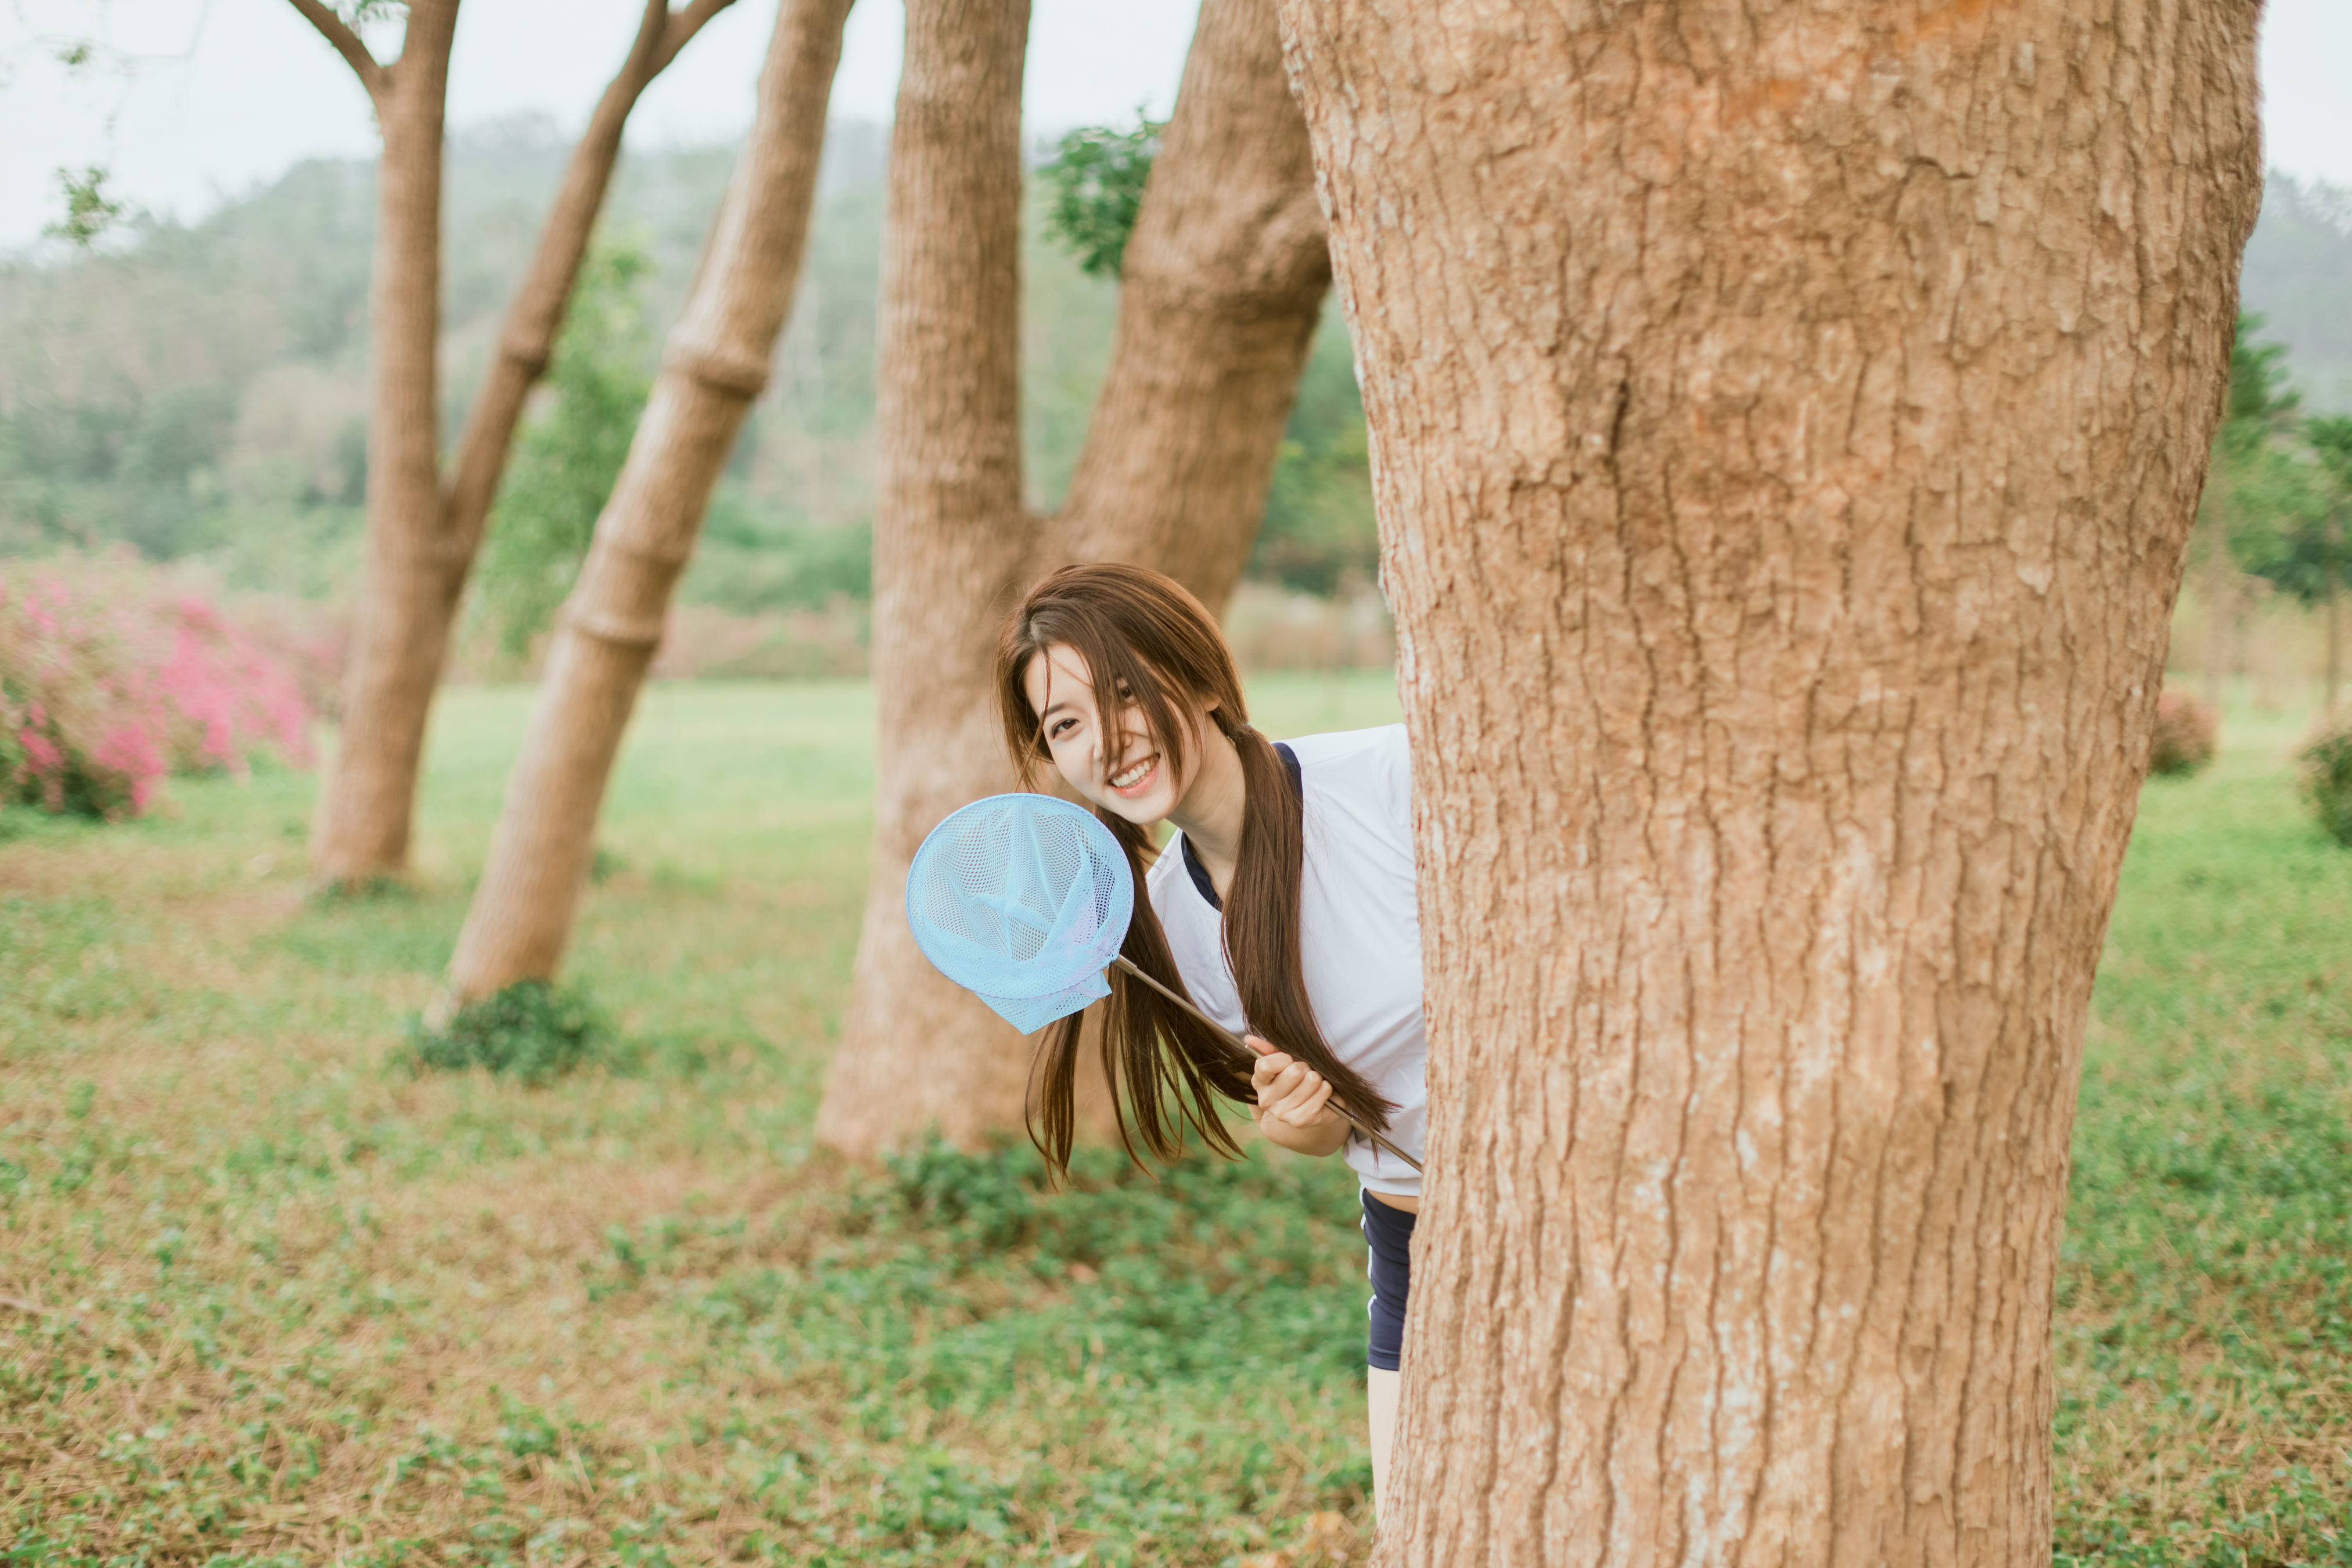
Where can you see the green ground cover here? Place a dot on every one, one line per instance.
(270, 1300)
(2205, 1287)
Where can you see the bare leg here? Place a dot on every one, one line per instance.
(1380, 1390)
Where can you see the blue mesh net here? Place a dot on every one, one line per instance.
(1022, 900)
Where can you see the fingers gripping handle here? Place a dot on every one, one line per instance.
(1251, 1057)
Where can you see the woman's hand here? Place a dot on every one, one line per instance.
(1294, 1102)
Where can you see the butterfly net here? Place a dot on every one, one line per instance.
(1022, 900)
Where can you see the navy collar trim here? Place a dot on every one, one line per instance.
(1199, 873)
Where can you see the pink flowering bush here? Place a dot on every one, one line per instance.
(114, 674)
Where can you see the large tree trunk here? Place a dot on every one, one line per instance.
(361, 828)
(1224, 279)
(950, 538)
(1787, 422)
(715, 363)
(422, 538)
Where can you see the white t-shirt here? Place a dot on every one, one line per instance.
(1359, 929)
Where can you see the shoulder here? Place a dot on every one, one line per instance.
(1358, 783)
(1375, 762)
(1351, 748)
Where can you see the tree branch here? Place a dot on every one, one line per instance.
(644, 59)
(338, 32)
(682, 26)
(536, 314)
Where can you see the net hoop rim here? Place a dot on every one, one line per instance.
(1033, 801)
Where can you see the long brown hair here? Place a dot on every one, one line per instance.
(1148, 642)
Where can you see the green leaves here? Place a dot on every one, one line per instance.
(89, 211)
(2260, 403)
(567, 459)
(2326, 765)
(1319, 535)
(530, 1031)
(1096, 178)
(2288, 480)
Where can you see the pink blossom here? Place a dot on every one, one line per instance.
(118, 677)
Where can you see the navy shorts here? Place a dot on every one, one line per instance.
(1389, 1233)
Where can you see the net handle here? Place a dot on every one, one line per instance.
(1241, 1045)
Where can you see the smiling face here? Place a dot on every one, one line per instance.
(1105, 748)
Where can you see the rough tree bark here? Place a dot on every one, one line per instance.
(423, 535)
(950, 537)
(1787, 422)
(1222, 285)
(715, 363)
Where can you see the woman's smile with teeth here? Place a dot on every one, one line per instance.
(1136, 774)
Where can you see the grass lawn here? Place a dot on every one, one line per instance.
(269, 1300)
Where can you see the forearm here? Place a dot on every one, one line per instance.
(1326, 1137)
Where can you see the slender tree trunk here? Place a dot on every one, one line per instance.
(362, 828)
(421, 550)
(1224, 279)
(1787, 425)
(715, 363)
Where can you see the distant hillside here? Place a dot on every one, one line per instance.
(2298, 275)
(202, 391)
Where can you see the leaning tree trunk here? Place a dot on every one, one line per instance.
(362, 828)
(715, 363)
(534, 316)
(423, 537)
(1787, 422)
(1223, 281)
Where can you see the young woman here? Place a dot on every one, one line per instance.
(1284, 907)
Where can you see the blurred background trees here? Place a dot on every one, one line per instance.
(198, 392)
(201, 392)
(566, 458)
(2241, 483)
(2271, 519)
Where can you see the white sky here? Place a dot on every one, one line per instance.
(192, 100)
